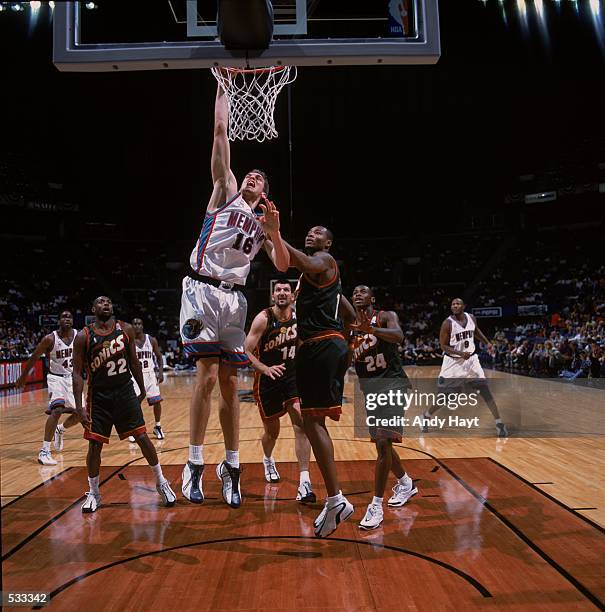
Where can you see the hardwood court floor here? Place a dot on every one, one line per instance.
(475, 537)
(572, 469)
(497, 524)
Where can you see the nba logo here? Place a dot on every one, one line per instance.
(398, 23)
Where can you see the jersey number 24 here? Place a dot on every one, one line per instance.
(373, 363)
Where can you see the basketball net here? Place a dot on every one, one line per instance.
(252, 94)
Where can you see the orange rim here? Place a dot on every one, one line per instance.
(252, 70)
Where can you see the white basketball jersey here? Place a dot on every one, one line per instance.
(230, 238)
(61, 356)
(463, 338)
(145, 355)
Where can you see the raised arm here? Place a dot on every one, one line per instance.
(274, 245)
(79, 356)
(155, 347)
(388, 329)
(391, 332)
(44, 347)
(259, 325)
(223, 180)
(317, 263)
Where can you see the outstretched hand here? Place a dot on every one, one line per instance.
(362, 325)
(270, 217)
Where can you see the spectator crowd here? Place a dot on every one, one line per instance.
(564, 279)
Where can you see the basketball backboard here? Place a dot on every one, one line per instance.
(180, 34)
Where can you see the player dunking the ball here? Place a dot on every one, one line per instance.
(106, 349)
(58, 346)
(271, 345)
(377, 334)
(321, 362)
(460, 362)
(213, 307)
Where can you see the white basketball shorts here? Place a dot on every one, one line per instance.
(152, 389)
(458, 368)
(60, 392)
(212, 322)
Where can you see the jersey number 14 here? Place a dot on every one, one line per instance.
(288, 352)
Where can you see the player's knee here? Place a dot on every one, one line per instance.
(272, 430)
(207, 383)
(383, 448)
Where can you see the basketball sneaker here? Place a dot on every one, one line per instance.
(192, 482)
(229, 476)
(271, 473)
(373, 518)
(305, 494)
(45, 458)
(159, 434)
(166, 493)
(401, 493)
(131, 439)
(332, 517)
(502, 431)
(58, 439)
(91, 503)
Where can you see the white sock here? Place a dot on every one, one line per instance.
(265, 459)
(196, 454)
(157, 471)
(158, 424)
(376, 501)
(61, 428)
(304, 476)
(46, 446)
(498, 421)
(93, 483)
(426, 414)
(335, 499)
(233, 458)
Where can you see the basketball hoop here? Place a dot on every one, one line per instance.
(252, 94)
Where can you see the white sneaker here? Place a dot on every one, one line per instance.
(192, 482)
(45, 458)
(332, 517)
(91, 503)
(305, 494)
(271, 473)
(373, 518)
(401, 494)
(166, 493)
(159, 434)
(319, 519)
(230, 476)
(58, 439)
(131, 439)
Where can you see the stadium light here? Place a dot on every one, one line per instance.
(35, 5)
(90, 6)
(51, 5)
(17, 6)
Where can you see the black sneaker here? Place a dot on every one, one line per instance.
(159, 434)
(192, 483)
(502, 431)
(305, 494)
(229, 476)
